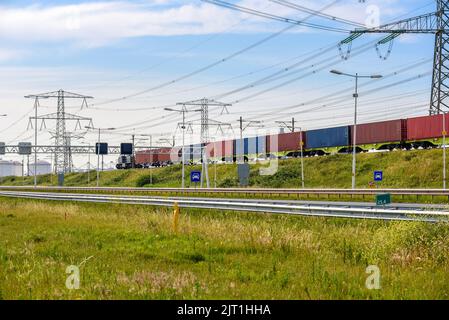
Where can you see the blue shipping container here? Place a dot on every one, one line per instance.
(188, 153)
(329, 137)
(251, 146)
(239, 147)
(197, 151)
(261, 145)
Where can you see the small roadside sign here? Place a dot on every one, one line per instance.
(383, 199)
(243, 171)
(378, 175)
(195, 176)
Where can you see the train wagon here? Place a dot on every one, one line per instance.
(210, 150)
(426, 131)
(197, 151)
(285, 144)
(224, 150)
(380, 135)
(145, 157)
(251, 148)
(329, 140)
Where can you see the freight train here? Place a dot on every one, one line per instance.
(418, 132)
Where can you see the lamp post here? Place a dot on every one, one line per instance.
(1, 177)
(302, 157)
(183, 127)
(88, 160)
(98, 149)
(356, 96)
(151, 154)
(444, 149)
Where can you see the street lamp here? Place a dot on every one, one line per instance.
(355, 95)
(183, 127)
(88, 160)
(2, 115)
(444, 150)
(302, 156)
(98, 149)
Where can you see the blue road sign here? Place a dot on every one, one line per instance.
(378, 175)
(195, 176)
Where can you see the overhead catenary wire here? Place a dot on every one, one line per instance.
(338, 94)
(317, 13)
(416, 77)
(274, 17)
(216, 63)
(310, 73)
(314, 53)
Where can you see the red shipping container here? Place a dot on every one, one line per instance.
(210, 149)
(224, 148)
(285, 142)
(163, 154)
(143, 157)
(426, 127)
(384, 131)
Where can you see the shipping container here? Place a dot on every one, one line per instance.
(223, 150)
(427, 127)
(262, 145)
(384, 131)
(188, 149)
(145, 157)
(329, 137)
(164, 154)
(251, 146)
(210, 150)
(238, 146)
(176, 154)
(197, 152)
(285, 142)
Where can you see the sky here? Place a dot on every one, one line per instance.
(137, 57)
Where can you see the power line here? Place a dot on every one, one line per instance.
(276, 17)
(207, 67)
(316, 13)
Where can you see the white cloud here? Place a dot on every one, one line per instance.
(7, 55)
(100, 23)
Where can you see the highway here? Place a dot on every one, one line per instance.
(263, 192)
(358, 210)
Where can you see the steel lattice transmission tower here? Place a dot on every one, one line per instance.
(440, 78)
(436, 23)
(62, 156)
(204, 105)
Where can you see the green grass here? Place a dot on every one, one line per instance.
(131, 252)
(411, 169)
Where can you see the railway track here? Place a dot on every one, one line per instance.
(357, 210)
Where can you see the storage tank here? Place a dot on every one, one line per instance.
(42, 167)
(10, 168)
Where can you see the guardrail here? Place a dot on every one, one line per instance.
(245, 191)
(325, 210)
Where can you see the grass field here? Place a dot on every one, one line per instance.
(402, 169)
(132, 252)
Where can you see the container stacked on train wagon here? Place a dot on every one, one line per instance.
(424, 131)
